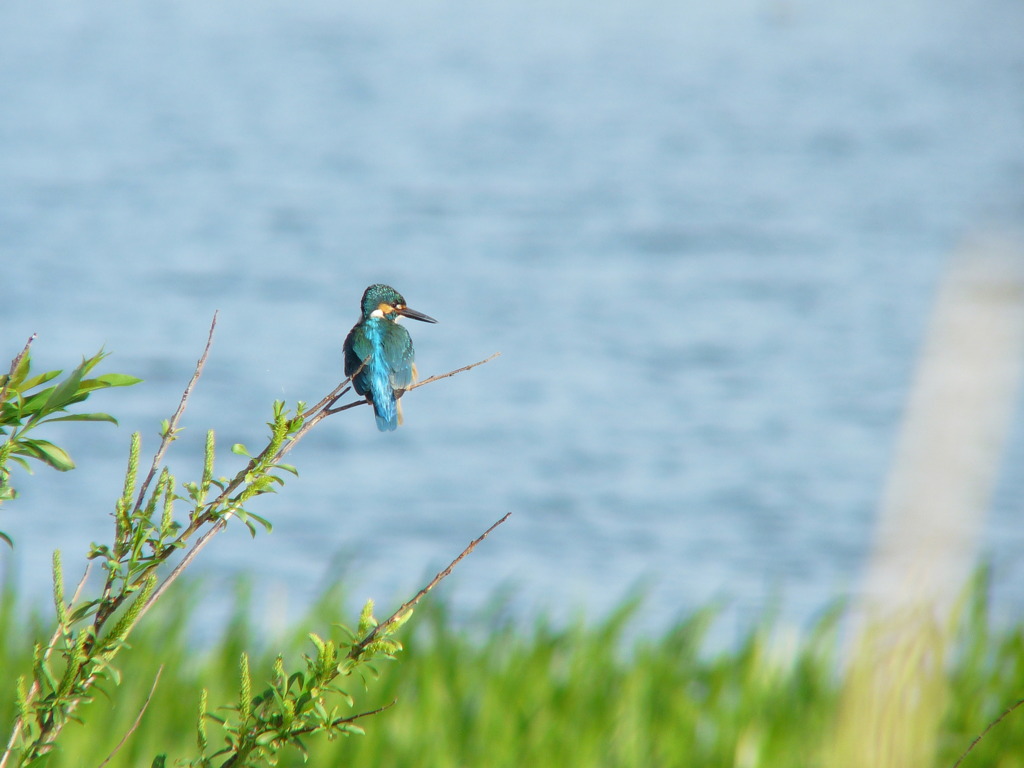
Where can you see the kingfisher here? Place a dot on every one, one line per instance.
(379, 354)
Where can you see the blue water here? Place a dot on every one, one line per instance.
(704, 238)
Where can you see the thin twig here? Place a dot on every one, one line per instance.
(345, 720)
(81, 585)
(452, 373)
(340, 408)
(337, 397)
(138, 719)
(14, 366)
(375, 632)
(988, 728)
(172, 425)
(333, 395)
(330, 411)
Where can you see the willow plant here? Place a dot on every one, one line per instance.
(161, 522)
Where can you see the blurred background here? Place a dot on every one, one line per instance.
(705, 238)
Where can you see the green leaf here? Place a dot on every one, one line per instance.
(20, 372)
(22, 463)
(6, 539)
(34, 403)
(35, 381)
(98, 550)
(44, 675)
(118, 379)
(267, 737)
(346, 697)
(87, 608)
(65, 391)
(9, 414)
(46, 452)
(90, 363)
(82, 417)
(262, 521)
(192, 488)
(240, 449)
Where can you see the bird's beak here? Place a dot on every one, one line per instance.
(412, 313)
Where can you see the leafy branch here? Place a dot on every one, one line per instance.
(155, 520)
(27, 403)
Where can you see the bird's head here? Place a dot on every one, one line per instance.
(384, 301)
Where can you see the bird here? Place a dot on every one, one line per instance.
(379, 357)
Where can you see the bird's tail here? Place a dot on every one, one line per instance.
(388, 413)
(386, 408)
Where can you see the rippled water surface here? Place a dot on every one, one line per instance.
(704, 238)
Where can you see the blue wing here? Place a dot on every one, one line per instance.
(399, 353)
(358, 348)
(387, 351)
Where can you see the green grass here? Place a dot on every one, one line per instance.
(580, 694)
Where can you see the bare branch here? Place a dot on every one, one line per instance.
(406, 607)
(330, 411)
(988, 728)
(345, 720)
(340, 408)
(81, 584)
(173, 423)
(333, 395)
(451, 373)
(138, 719)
